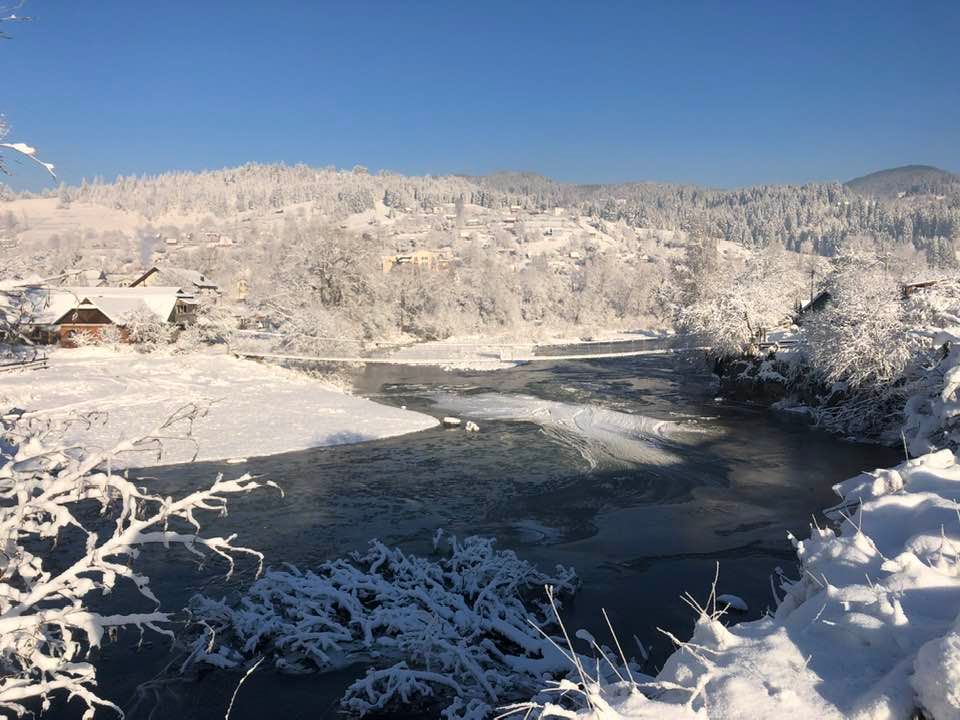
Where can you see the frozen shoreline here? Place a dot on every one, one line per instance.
(869, 630)
(251, 409)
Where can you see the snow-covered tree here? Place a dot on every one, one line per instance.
(862, 338)
(732, 310)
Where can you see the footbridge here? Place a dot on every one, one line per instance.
(483, 354)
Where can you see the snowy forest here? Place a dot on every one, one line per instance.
(926, 213)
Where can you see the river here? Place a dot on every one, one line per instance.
(561, 471)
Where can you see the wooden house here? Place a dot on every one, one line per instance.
(64, 312)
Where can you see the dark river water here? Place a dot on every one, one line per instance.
(557, 473)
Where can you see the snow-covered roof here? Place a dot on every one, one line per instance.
(116, 303)
(182, 277)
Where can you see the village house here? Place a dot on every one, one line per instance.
(88, 278)
(62, 313)
(420, 259)
(193, 281)
(241, 288)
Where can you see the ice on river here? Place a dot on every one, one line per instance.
(601, 436)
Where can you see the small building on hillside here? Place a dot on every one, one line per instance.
(88, 278)
(817, 303)
(241, 289)
(909, 289)
(61, 313)
(193, 281)
(419, 259)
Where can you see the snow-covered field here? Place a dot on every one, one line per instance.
(252, 410)
(870, 629)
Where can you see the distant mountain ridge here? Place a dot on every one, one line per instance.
(906, 180)
(916, 205)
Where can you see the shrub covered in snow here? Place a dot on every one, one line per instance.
(932, 413)
(51, 609)
(145, 330)
(877, 354)
(457, 630)
(112, 336)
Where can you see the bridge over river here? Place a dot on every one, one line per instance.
(479, 354)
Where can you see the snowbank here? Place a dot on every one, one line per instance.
(870, 630)
(253, 409)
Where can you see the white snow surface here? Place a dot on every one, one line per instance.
(253, 410)
(870, 630)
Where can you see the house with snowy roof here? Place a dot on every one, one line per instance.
(192, 281)
(61, 313)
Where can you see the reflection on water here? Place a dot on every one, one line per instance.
(628, 470)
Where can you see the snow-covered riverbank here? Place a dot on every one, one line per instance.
(253, 409)
(869, 630)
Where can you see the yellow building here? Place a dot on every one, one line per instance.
(419, 259)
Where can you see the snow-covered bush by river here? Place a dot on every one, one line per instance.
(869, 629)
(465, 630)
(874, 354)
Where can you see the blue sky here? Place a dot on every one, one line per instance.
(720, 93)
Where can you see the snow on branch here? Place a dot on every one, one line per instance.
(47, 621)
(8, 14)
(461, 630)
(30, 153)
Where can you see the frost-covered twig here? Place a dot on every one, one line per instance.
(47, 621)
